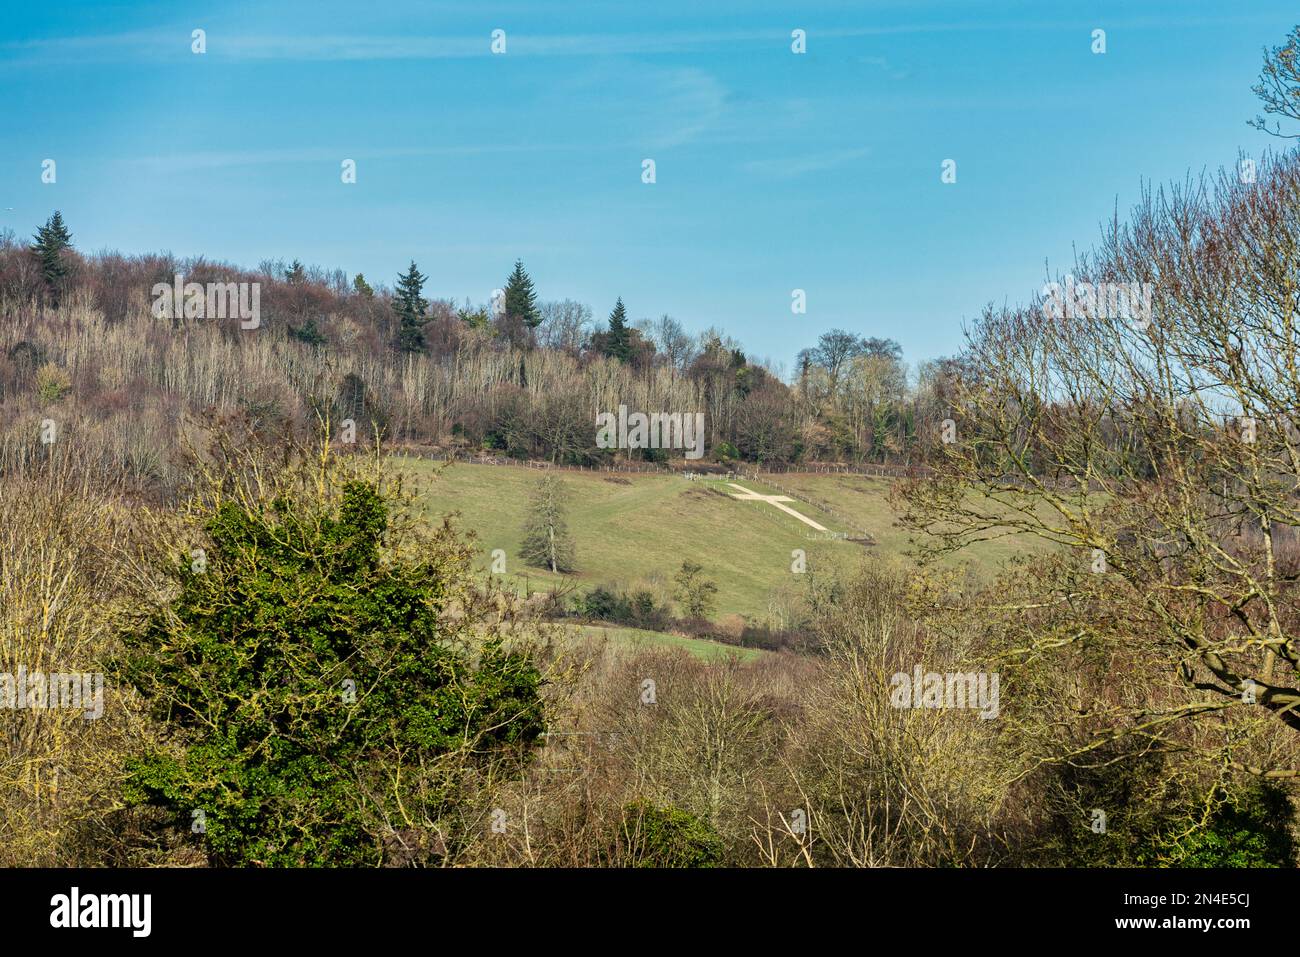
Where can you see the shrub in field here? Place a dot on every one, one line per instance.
(638, 609)
(52, 383)
(646, 613)
(652, 836)
(603, 604)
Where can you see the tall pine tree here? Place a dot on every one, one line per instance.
(618, 340)
(410, 307)
(521, 298)
(547, 543)
(48, 246)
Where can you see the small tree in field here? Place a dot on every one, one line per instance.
(546, 534)
(694, 591)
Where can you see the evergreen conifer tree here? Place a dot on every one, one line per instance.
(410, 308)
(521, 298)
(618, 340)
(48, 245)
(546, 534)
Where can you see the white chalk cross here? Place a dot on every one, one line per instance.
(777, 500)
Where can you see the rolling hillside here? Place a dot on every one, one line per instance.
(635, 530)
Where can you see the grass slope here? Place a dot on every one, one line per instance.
(635, 530)
(638, 638)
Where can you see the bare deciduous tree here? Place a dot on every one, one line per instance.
(1159, 453)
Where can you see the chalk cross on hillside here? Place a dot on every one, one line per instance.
(777, 500)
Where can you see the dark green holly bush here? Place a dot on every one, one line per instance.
(323, 691)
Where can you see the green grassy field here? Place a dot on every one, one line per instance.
(637, 638)
(863, 501)
(635, 530)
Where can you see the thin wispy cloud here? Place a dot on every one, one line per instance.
(219, 159)
(242, 46)
(884, 65)
(326, 47)
(789, 167)
(153, 44)
(693, 103)
(643, 105)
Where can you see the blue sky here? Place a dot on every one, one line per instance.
(775, 171)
